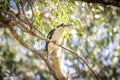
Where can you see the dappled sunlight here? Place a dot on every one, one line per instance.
(94, 35)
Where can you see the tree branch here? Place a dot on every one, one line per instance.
(115, 3)
(10, 25)
(36, 52)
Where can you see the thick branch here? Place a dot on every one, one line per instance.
(105, 2)
(34, 51)
(10, 25)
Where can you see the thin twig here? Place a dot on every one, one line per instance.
(81, 58)
(32, 18)
(27, 22)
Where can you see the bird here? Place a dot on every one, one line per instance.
(56, 35)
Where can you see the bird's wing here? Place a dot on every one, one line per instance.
(50, 34)
(49, 37)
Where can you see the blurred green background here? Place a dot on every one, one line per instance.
(95, 34)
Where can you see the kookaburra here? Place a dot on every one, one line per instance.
(56, 35)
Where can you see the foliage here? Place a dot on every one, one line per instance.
(95, 34)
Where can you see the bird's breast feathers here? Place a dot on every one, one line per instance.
(58, 35)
